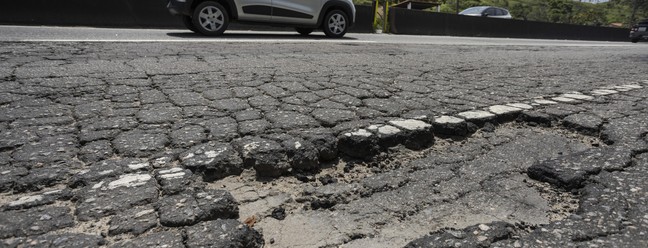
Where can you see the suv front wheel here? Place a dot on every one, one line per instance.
(336, 24)
(210, 18)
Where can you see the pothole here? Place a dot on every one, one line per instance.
(403, 194)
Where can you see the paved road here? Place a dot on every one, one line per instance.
(353, 143)
(25, 33)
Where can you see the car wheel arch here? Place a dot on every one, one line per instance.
(333, 5)
(230, 5)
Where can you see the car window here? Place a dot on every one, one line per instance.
(491, 12)
(501, 12)
(472, 11)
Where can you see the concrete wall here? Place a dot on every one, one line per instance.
(120, 13)
(404, 21)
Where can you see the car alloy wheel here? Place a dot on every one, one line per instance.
(336, 24)
(210, 18)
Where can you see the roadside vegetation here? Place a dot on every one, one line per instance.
(622, 13)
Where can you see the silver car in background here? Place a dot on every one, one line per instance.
(487, 11)
(639, 31)
(211, 17)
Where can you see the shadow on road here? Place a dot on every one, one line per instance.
(259, 35)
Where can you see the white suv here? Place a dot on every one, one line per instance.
(211, 17)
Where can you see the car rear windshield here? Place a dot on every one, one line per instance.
(473, 10)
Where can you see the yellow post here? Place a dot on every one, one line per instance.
(375, 20)
(386, 17)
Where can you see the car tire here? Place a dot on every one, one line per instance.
(634, 40)
(188, 23)
(210, 18)
(304, 31)
(336, 23)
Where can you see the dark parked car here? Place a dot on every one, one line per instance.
(639, 31)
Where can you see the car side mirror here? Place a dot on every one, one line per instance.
(485, 14)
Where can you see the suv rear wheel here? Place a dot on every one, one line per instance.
(336, 23)
(210, 18)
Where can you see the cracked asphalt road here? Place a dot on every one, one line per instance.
(322, 145)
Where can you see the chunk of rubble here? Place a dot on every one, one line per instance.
(604, 92)
(302, 154)
(586, 123)
(544, 101)
(267, 157)
(135, 221)
(477, 116)
(571, 171)
(174, 180)
(536, 118)
(578, 96)
(108, 168)
(163, 239)
(35, 200)
(449, 125)
(358, 144)
(418, 134)
(564, 99)
(110, 196)
(214, 159)
(223, 233)
(388, 136)
(523, 106)
(481, 235)
(56, 240)
(18, 223)
(189, 208)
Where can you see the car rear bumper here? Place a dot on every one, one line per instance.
(179, 7)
